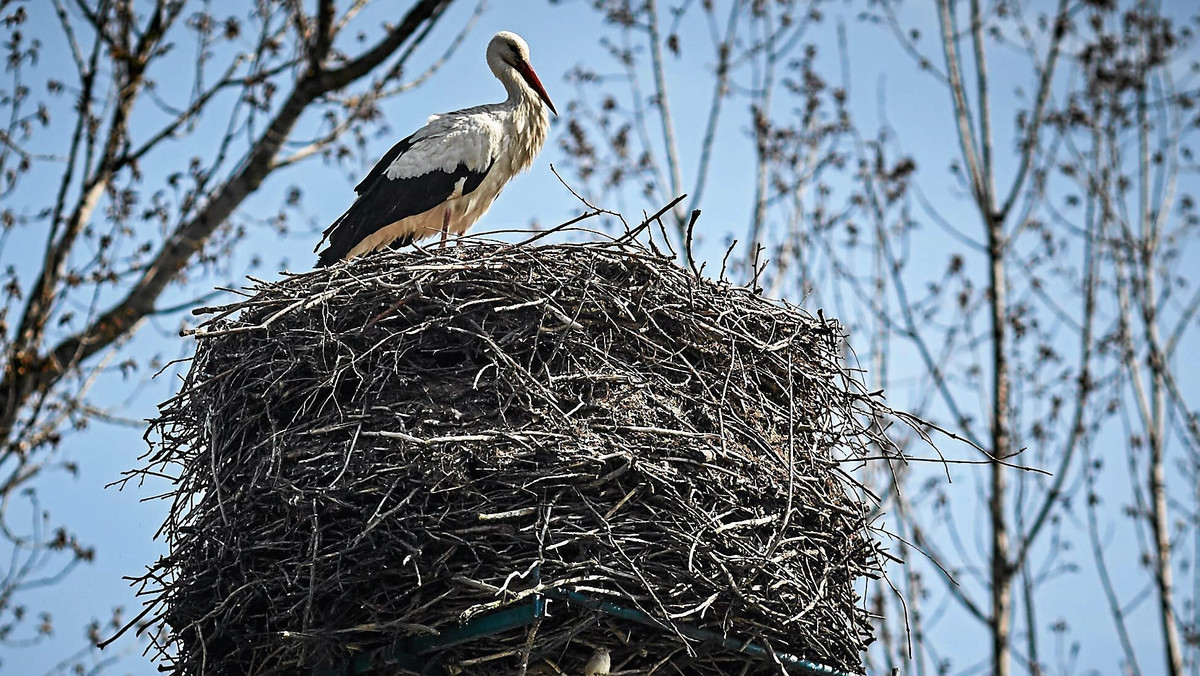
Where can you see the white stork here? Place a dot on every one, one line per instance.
(446, 175)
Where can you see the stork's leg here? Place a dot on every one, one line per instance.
(445, 229)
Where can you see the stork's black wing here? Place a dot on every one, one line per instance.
(381, 166)
(383, 201)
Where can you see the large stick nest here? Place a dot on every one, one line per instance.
(393, 447)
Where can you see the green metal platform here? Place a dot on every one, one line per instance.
(416, 655)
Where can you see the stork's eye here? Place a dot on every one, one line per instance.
(516, 52)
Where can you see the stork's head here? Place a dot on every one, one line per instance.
(508, 53)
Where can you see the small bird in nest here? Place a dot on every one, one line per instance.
(446, 175)
(600, 663)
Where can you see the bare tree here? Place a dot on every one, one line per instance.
(1058, 316)
(102, 214)
(622, 131)
(1056, 248)
(1134, 153)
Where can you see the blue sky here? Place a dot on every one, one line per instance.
(122, 523)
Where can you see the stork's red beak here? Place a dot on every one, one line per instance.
(532, 80)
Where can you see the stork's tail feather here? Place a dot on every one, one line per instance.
(399, 242)
(333, 254)
(327, 258)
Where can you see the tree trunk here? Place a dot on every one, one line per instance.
(1001, 573)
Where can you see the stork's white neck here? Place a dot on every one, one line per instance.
(528, 120)
(519, 92)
